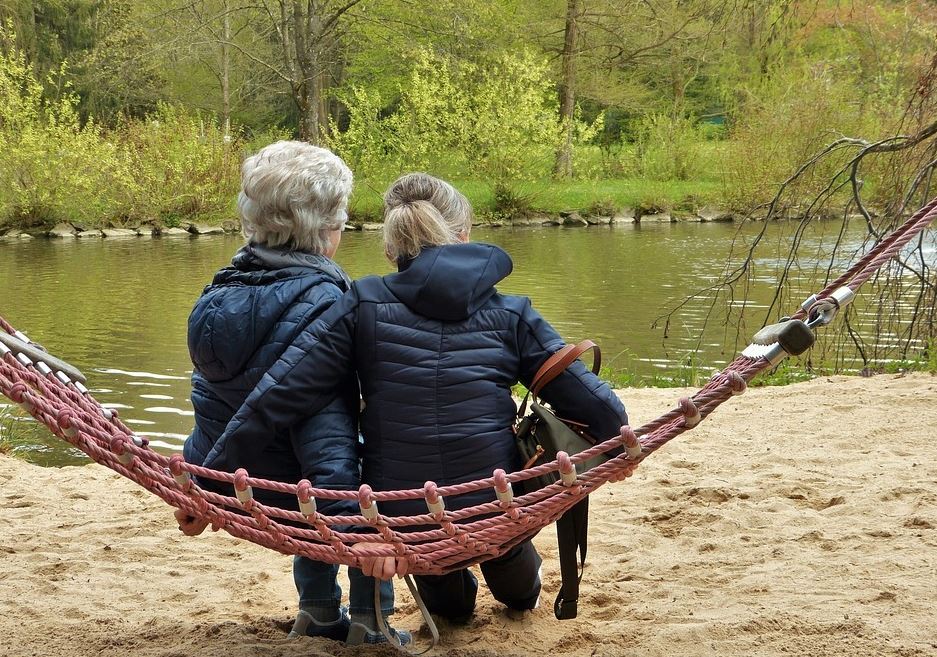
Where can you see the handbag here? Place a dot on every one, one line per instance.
(540, 435)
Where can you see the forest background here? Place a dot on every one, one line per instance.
(118, 112)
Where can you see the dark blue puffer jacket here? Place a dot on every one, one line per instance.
(242, 323)
(437, 350)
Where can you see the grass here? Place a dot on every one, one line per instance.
(610, 184)
(553, 196)
(690, 373)
(8, 440)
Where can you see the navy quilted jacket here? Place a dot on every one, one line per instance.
(437, 350)
(238, 329)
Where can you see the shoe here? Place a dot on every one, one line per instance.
(306, 625)
(359, 634)
(519, 614)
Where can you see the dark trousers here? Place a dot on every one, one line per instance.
(513, 580)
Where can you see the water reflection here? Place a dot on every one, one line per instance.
(117, 309)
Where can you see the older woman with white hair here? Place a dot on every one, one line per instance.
(437, 350)
(292, 205)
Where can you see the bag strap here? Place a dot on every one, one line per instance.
(556, 365)
(572, 535)
(558, 362)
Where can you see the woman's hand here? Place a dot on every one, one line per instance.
(189, 525)
(380, 567)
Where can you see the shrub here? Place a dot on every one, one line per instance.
(495, 120)
(185, 169)
(53, 168)
(668, 147)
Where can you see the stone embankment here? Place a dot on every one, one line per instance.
(66, 230)
(566, 218)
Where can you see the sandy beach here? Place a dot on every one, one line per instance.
(796, 521)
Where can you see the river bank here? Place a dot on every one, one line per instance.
(532, 219)
(793, 521)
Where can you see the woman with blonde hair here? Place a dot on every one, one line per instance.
(437, 349)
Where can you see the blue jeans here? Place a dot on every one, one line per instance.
(317, 586)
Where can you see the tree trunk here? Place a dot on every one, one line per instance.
(225, 74)
(564, 156)
(308, 114)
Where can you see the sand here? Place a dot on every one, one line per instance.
(796, 521)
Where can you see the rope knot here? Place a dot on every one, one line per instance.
(65, 418)
(435, 503)
(243, 491)
(367, 503)
(503, 489)
(182, 477)
(736, 382)
(567, 469)
(18, 392)
(119, 447)
(691, 414)
(307, 503)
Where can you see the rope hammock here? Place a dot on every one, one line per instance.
(53, 392)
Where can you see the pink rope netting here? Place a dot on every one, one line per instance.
(442, 540)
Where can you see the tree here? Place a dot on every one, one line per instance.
(567, 89)
(308, 46)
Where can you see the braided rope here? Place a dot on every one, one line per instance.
(433, 543)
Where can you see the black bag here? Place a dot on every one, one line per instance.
(540, 435)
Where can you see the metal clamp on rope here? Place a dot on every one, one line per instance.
(307, 503)
(242, 490)
(182, 477)
(434, 501)
(823, 311)
(631, 442)
(776, 342)
(367, 504)
(567, 469)
(503, 489)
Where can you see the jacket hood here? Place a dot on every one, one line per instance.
(450, 282)
(238, 310)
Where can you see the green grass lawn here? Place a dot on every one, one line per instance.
(614, 183)
(552, 196)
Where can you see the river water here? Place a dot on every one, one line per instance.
(117, 309)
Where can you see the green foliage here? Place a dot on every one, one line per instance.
(466, 89)
(171, 165)
(509, 204)
(789, 116)
(183, 167)
(668, 147)
(496, 120)
(7, 440)
(789, 371)
(54, 167)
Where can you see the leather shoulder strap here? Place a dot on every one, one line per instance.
(558, 362)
